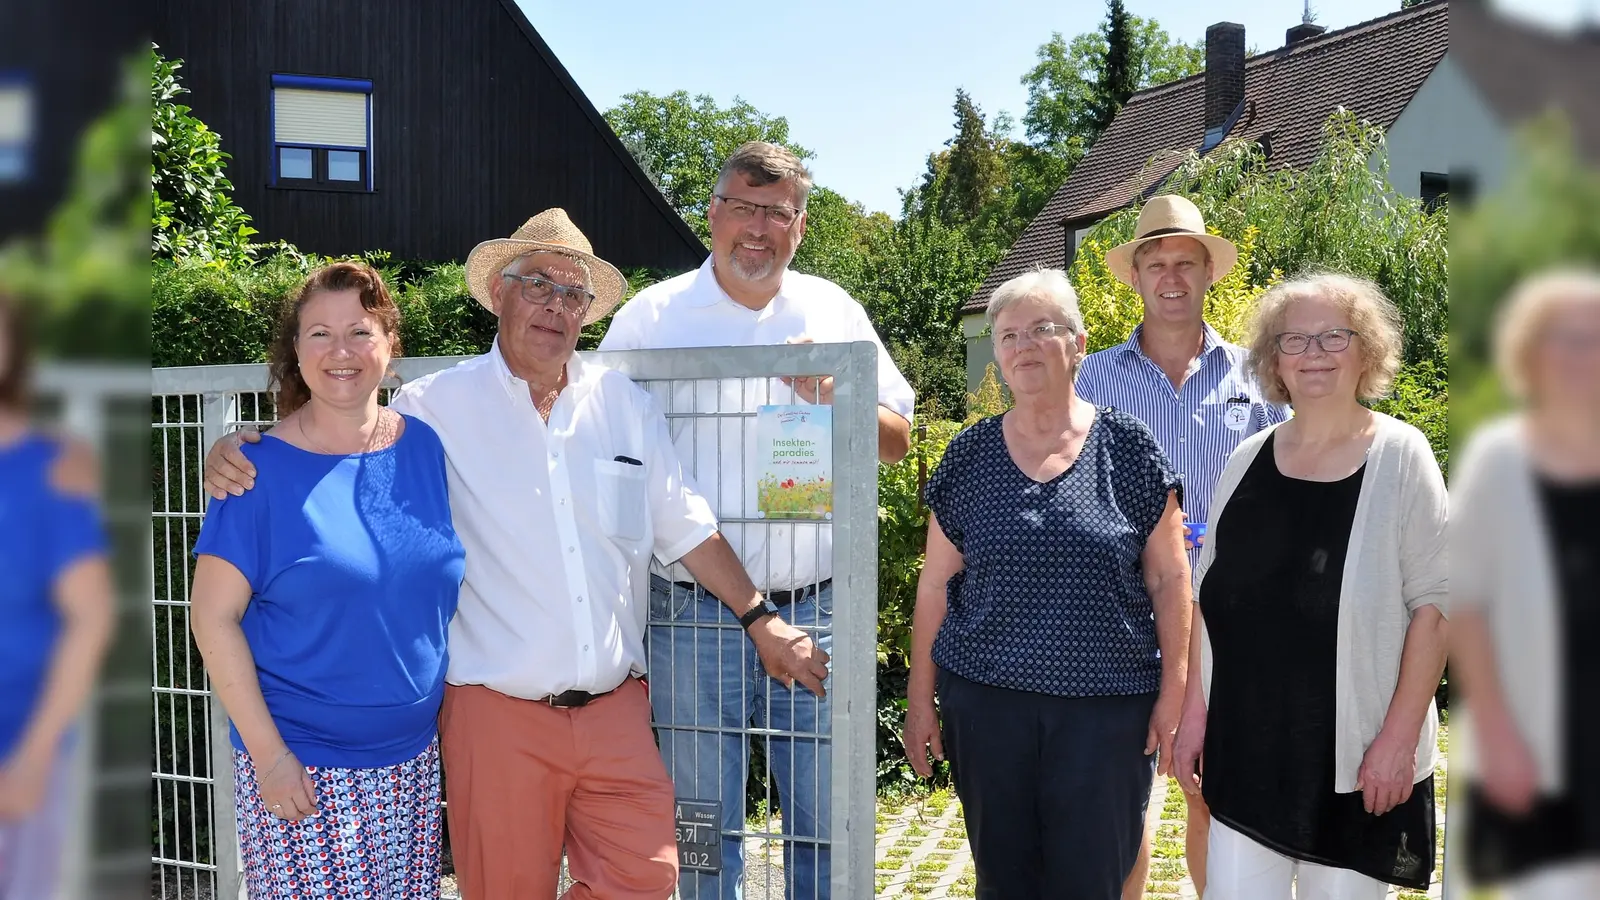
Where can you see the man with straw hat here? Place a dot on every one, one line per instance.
(563, 484)
(1178, 375)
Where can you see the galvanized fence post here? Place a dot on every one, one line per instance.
(219, 410)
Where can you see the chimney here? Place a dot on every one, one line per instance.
(1224, 72)
(1302, 32)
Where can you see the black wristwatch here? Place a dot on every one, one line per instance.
(761, 611)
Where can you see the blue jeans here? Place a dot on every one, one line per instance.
(706, 686)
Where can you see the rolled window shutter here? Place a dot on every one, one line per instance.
(323, 118)
(16, 115)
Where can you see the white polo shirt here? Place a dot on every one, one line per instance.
(558, 532)
(692, 310)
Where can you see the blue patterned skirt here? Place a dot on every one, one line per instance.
(376, 835)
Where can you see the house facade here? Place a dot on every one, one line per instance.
(417, 127)
(1391, 71)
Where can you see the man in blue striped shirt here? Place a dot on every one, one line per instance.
(1191, 387)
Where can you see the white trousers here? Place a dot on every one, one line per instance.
(1238, 868)
(1574, 880)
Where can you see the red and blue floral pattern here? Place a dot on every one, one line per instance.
(377, 834)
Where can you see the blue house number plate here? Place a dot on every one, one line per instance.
(700, 835)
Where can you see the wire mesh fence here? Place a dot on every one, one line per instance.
(775, 785)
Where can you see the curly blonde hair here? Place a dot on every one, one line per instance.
(1372, 316)
(1526, 316)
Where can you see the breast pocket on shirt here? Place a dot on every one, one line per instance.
(623, 507)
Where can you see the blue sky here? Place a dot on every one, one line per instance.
(868, 84)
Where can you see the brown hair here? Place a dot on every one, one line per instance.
(762, 164)
(284, 357)
(16, 359)
(1372, 316)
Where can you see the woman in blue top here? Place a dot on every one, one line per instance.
(321, 604)
(1054, 601)
(57, 611)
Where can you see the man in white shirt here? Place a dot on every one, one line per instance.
(705, 682)
(563, 484)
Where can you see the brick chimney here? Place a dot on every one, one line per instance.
(1224, 72)
(1302, 32)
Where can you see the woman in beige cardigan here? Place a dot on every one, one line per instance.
(1318, 635)
(1526, 560)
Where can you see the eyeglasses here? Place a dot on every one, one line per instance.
(1331, 341)
(743, 211)
(1010, 340)
(539, 290)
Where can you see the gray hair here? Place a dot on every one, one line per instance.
(514, 267)
(762, 164)
(1049, 286)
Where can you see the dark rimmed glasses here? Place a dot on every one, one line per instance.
(743, 211)
(1293, 343)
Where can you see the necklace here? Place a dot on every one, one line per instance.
(381, 431)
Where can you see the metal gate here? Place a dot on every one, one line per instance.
(710, 398)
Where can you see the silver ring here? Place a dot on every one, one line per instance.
(277, 806)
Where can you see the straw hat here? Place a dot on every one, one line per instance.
(550, 232)
(1171, 215)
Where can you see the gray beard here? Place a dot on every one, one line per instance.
(745, 273)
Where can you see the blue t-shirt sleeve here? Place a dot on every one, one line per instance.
(1147, 476)
(76, 532)
(235, 530)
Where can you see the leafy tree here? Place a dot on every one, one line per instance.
(1062, 84)
(1117, 75)
(192, 209)
(681, 143)
(86, 275)
(1541, 217)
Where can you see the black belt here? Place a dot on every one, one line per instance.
(574, 699)
(778, 598)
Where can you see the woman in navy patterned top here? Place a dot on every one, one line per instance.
(1052, 617)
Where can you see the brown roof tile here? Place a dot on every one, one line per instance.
(1524, 69)
(1373, 68)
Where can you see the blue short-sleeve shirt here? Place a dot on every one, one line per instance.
(1052, 597)
(355, 570)
(43, 533)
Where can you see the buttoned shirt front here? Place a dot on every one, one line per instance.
(692, 310)
(559, 520)
(1198, 425)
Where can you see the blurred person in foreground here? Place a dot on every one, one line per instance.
(1318, 639)
(1052, 617)
(57, 613)
(320, 604)
(1526, 589)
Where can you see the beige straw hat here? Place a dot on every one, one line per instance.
(1171, 215)
(550, 232)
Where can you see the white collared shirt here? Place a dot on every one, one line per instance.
(692, 310)
(558, 533)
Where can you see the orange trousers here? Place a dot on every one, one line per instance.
(523, 780)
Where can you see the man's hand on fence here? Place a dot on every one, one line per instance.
(922, 736)
(228, 471)
(789, 654)
(811, 388)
